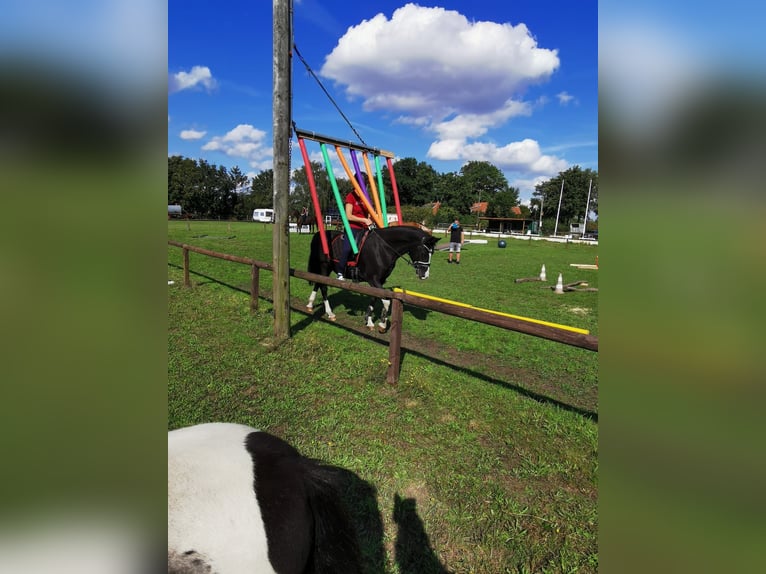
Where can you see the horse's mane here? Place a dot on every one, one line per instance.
(413, 224)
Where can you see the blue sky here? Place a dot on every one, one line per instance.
(444, 82)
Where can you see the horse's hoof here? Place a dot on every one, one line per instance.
(331, 318)
(381, 330)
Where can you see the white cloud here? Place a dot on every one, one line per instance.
(244, 132)
(192, 135)
(475, 125)
(526, 187)
(478, 66)
(565, 98)
(198, 76)
(244, 141)
(472, 83)
(523, 156)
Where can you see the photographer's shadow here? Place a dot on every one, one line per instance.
(413, 552)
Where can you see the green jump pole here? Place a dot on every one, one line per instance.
(338, 199)
(382, 192)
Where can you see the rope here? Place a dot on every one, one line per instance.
(313, 75)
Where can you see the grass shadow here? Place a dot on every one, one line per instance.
(361, 502)
(413, 551)
(342, 297)
(539, 397)
(317, 315)
(210, 279)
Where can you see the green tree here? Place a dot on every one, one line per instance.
(241, 191)
(202, 189)
(415, 181)
(300, 195)
(258, 193)
(573, 198)
(184, 183)
(262, 190)
(452, 191)
(502, 202)
(220, 191)
(482, 180)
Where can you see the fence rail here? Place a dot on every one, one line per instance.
(398, 300)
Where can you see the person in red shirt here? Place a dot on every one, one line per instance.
(358, 221)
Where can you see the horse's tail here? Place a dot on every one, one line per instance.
(336, 547)
(315, 255)
(320, 263)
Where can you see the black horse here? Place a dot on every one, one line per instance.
(379, 250)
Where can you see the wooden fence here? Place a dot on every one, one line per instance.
(398, 300)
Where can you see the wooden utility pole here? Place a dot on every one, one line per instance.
(282, 120)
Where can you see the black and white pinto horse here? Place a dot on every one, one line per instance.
(379, 250)
(244, 501)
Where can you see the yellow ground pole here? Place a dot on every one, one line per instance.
(520, 318)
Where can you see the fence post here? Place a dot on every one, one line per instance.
(395, 342)
(254, 274)
(187, 283)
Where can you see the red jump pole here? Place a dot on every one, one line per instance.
(314, 197)
(395, 189)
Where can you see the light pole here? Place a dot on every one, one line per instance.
(561, 194)
(587, 205)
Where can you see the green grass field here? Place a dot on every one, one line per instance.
(484, 458)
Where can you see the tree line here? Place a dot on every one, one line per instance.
(209, 191)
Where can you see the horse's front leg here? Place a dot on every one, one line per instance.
(369, 314)
(383, 324)
(312, 298)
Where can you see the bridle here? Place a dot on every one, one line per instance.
(425, 265)
(422, 264)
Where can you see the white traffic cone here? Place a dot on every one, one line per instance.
(542, 273)
(559, 285)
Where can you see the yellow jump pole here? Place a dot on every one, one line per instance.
(518, 317)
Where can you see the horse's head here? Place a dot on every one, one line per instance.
(421, 253)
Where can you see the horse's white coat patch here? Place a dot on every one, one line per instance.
(212, 506)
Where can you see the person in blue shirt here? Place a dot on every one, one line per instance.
(456, 239)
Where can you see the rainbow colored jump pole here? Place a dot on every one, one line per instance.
(358, 190)
(314, 196)
(382, 219)
(338, 200)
